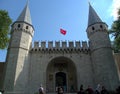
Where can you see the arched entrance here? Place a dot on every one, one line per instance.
(59, 73)
(60, 80)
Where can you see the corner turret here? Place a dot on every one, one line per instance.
(97, 31)
(22, 30)
(105, 72)
(16, 76)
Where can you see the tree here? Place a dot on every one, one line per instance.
(115, 31)
(5, 22)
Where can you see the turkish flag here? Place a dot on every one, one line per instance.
(62, 31)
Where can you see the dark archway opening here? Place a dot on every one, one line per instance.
(60, 79)
(59, 73)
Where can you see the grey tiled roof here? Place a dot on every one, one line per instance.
(25, 15)
(93, 17)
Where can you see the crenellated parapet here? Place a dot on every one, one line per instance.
(60, 45)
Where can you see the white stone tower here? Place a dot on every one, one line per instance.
(104, 68)
(16, 74)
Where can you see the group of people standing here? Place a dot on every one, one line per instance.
(89, 90)
(99, 90)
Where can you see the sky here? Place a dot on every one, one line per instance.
(49, 16)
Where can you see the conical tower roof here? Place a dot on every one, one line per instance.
(25, 15)
(93, 17)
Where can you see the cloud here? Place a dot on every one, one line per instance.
(115, 7)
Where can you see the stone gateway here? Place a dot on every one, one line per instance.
(61, 63)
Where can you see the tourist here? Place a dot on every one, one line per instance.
(72, 88)
(81, 90)
(41, 90)
(118, 90)
(1, 91)
(97, 90)
(60, 90)
(104, 90)
(89, 90)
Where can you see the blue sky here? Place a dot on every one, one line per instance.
(48, 16)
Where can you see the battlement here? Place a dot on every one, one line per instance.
(52, 45)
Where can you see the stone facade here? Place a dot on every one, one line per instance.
(59, 63)
(52, 60)
(117, 62)
(50, 77)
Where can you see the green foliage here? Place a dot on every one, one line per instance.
(115, 31)
(5, 22)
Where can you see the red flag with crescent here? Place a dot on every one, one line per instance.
(62, 31)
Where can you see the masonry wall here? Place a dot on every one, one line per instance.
(38, 62)
(117, 61)
(40, 58)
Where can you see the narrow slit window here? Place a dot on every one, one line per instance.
(26, 27)
(101, 26)
(18, 25)
(93, 28)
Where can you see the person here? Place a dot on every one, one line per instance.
(118, 90)
(89, 90)
(1, 91)
(41, 90)
(97, 90)
(81, 87)
(72, 88)
(60, 90)
(104, 90)
(81, 90)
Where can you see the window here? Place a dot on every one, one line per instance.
(93, 28)
(26, 27)
(101, 26)
(18, 25)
